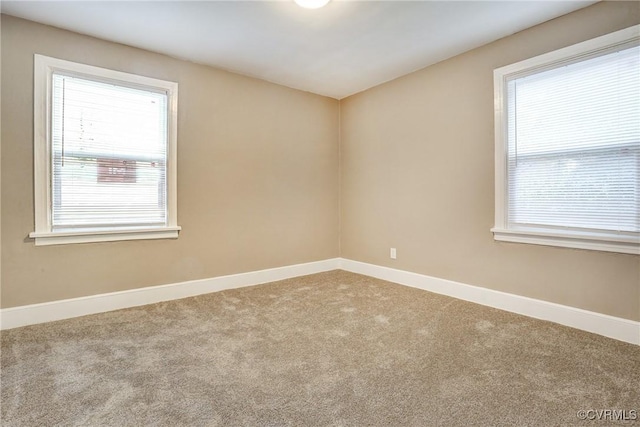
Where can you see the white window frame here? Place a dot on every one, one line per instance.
(502, 231)
(44, 67)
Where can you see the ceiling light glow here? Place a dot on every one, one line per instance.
(311, 4)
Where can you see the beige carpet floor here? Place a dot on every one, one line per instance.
(331, 349)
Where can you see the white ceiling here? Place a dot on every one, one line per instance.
(341, 49)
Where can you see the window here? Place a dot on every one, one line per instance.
(104, 154)
(568, 146)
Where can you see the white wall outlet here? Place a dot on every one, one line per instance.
(392, 253)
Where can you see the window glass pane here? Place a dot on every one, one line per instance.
(109, 153)
(589, 104)
(597, 189)
(573, 137)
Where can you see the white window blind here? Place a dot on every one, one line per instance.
(573, 146)
(109, 155)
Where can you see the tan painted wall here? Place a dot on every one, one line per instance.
(258, 168)
(257, 176)
(418, 175)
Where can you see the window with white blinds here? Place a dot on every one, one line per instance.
(568, 147)
(109, 155)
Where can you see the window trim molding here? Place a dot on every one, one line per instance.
(595, 241)
(44, 67)
(609, 242)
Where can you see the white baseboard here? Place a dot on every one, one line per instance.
(64, 309)
(602, 324)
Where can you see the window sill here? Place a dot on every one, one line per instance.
(113, 235)
(590, 241)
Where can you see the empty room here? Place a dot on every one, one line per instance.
(320, 213)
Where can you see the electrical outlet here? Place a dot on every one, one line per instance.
(392, 253)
